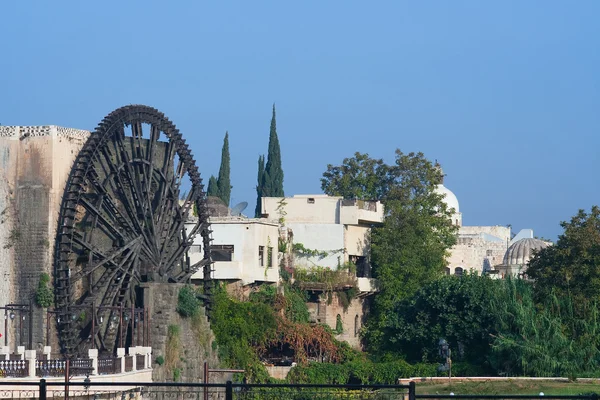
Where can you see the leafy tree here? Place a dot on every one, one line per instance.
(455, 308)
(224, 181)
(571, 267)
(273, 177)
(410, 248)
(359, 177)
(213, 187)
(259, 185)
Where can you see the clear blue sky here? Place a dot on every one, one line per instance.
(505, 94)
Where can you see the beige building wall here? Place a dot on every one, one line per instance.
(316, 209)
(35, 163)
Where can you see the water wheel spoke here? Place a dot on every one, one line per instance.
(122, 223)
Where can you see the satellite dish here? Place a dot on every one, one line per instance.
(238, 208)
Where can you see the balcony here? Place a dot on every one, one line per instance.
(367, 285)
(355, 212)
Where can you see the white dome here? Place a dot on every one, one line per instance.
(448, 197)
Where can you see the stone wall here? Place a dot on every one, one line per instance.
(35, 163)
(197, 342)
(353, 317)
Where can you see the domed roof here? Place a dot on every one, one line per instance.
(448, 197)
(521, 251)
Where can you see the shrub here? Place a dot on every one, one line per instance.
(43, 295)
(188, 304)
(160, 360)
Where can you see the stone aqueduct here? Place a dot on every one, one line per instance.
(103, 214)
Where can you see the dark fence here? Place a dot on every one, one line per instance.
(140, 360)
(231, 391)
(128, 363)
(110, 365)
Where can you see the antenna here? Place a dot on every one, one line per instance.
(238, 208)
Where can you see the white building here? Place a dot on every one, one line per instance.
(243, 250)
(334, 230)
(488, 249)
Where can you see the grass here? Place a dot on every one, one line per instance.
(510, 386)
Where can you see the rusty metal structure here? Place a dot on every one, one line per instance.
(125, 220)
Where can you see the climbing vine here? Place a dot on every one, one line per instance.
(300, 250)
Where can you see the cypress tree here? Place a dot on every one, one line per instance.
(259, 185)
(224, 182)
(213, 187)
(273, 170)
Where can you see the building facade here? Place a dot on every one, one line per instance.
(243, 250)
(35, 162)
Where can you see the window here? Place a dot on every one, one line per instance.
(447, 271)
(221, 252)
(356, 326)
(458, 271)
(310, 200)
(489, 253)
(261, 256)
(270, 257)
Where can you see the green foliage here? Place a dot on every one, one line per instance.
(295, 306)
(213, 187)
(242, 327)
(43, 294)
(410, 249)
(259, 185)
(176, 374)
(358, 371)
(455, 308)
(339, 326)
(273, 177)
(571, 267)
(325, 278)
(359, 177)
(160, 360)
(302, 251)
(188, 304)
(224, 181)
(546, 339)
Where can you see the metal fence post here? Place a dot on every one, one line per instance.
(43, 389)
(412, 390)
(229, 391)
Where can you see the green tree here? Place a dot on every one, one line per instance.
(259, 185)
(359, 177)
(224, 181)
(213, 187)
(273, 177)
(411, 247)
(456, 308)
(571, 267)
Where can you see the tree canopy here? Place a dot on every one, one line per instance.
(273, 177)
(571, 267)
(224, 181)
(411, 246)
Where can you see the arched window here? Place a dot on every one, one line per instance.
(356, 326)
(458, 271)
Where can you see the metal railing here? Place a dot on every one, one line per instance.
(110, 365)
(140, 361)
(231, 391)
(128, 363)
(50, 367)
(14, 368)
